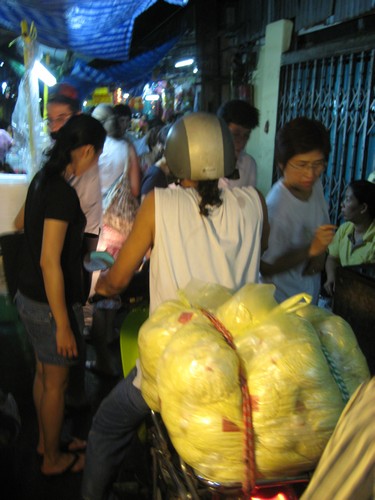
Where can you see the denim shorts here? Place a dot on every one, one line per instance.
(41, 329)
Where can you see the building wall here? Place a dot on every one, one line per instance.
(253, 40)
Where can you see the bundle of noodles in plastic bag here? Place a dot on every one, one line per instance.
(203, 412)
(153, 337)
(295, 400)
(247, 307)
(338, 338)
(192, 376)
(166, 320)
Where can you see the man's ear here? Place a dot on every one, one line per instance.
(281, 167)
(364, 208)
(88, 150)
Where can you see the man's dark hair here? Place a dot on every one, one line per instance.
(239, 112)
(152, 136)
(64, 93)
(122, 110)
(301, 135)
(163, 133)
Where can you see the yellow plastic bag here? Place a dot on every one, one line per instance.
(191, 375)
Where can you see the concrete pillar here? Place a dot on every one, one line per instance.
(266, 93)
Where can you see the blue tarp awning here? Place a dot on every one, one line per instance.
(92, 29)
(131, 72)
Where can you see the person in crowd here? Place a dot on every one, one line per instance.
(186, 228)
(123, 113)
(144, 143)
(354, 241)
(347, 467)
(242, 118)
(119, 155)
(157, 174)
(50, 286)
(121, 182)
(298, 213)
(6, 142)
(120, 176)
(152, 155)
(63, 103)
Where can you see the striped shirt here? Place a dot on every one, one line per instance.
(346, 468)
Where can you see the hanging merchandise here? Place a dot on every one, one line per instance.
(152, 106)
(184, 98)
(27, 124)
(167, 101)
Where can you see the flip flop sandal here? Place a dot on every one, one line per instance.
(67, 469)
(66, 445)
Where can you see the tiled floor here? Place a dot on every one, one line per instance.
(20, 476)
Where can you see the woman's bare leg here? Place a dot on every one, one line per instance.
(37, 395)
(55, 380)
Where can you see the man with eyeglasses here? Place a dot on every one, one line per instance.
(298, 212)
(241, 118)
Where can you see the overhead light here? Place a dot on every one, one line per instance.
(44, 75)
(195, 70)
(4, 86)
(184, 62)
(152, 97)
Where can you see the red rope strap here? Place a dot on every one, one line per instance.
(248, 448)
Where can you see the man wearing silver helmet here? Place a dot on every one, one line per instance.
(194, 231)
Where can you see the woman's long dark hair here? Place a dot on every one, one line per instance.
(78, 131)
(210, 194)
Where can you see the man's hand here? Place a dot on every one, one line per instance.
(322, 238)
(329, 287)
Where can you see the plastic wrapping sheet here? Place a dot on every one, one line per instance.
(153, 338)
(247, 308)
(203, 411)
(29, 138)
(295, 400)
(192, 376)
(338, 338)
(204, 295)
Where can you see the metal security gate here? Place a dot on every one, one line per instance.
(339, 91)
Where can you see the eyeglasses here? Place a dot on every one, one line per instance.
(239, 136)
(60, 120)
(304, 166)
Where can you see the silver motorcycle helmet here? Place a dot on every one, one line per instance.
(200, 147)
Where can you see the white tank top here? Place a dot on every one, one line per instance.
(222, 248)
(112, 162)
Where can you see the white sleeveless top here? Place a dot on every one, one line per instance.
(222, 248)
(112, 162)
